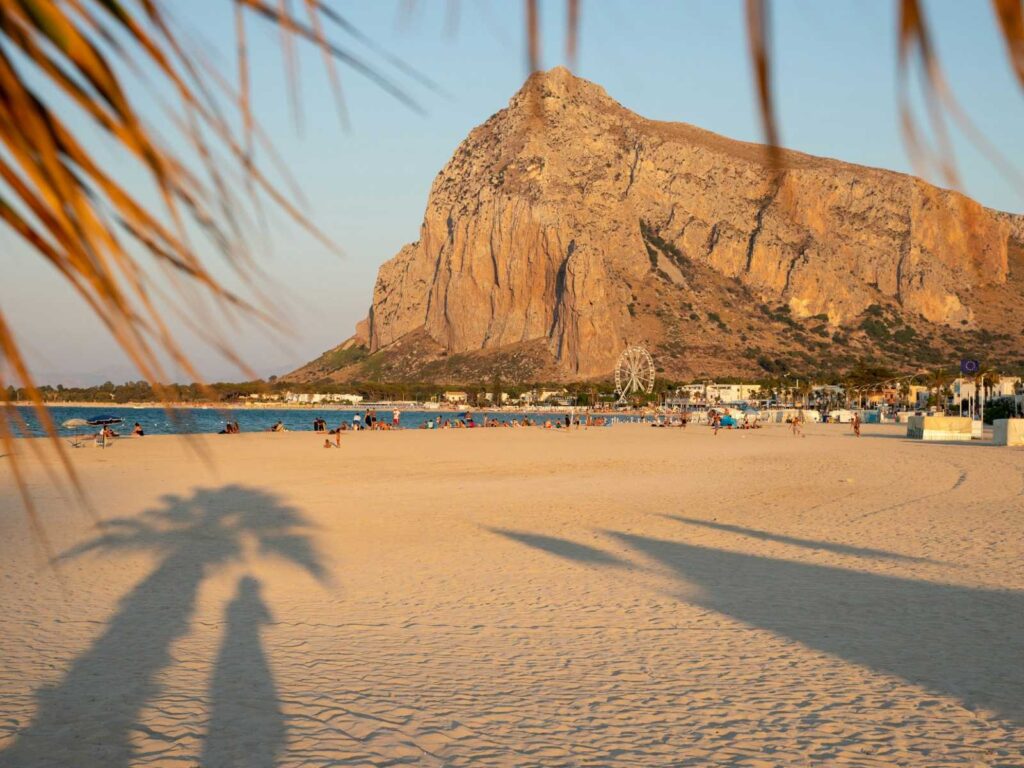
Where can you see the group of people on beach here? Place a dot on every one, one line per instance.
(370, 420)
(465, 421)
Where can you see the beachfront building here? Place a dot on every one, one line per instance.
(302, 398)
(455, 397)
(307, 398)
(489, 397)
(710, 392)
(554, 396)
(262, 397)
(967, 389)
(347, 398)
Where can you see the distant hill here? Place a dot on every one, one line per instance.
(567, 227)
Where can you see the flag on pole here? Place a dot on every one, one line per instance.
(969, 366)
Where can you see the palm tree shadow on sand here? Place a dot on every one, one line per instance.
(88, 717)
(949, 639)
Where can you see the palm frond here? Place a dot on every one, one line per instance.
(106, 239)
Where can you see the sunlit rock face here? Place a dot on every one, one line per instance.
(569, 220)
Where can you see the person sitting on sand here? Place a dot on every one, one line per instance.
(137, 430)
(278, 427)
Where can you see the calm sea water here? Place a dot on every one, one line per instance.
(156, 421)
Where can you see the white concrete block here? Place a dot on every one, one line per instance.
(1008, 431)
(939, 428)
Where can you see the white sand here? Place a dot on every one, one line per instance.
(624, 596)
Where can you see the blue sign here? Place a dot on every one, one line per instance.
(969, 366)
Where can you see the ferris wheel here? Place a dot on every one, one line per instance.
(634, 373)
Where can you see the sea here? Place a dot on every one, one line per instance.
(209, 420)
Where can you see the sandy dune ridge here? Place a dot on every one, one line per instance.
(626, 596)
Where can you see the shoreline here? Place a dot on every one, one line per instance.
(402, 406)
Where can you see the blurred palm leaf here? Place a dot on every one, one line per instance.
(108, 241)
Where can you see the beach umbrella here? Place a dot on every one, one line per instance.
(75, 424)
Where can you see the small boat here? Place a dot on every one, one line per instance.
(102, 421)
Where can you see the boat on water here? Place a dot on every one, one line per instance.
(103, 420)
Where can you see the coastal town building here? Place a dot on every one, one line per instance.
(553, 396)
(1006, 386)
(710, 392)
(489, 397)
(306, 398)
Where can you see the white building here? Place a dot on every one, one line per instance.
(305, 398)
(966, 389)
(711, 392)
(489, 397)
(350, 399)
(543, 395)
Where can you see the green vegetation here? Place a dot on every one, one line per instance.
(875, 329)
(904, 335)
(338, 357)
(717, 320)
(1003, 408)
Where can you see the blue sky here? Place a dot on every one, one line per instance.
(684, 60)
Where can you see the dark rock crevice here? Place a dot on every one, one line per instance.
(762, 207)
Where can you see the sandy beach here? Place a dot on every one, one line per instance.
(617, 596)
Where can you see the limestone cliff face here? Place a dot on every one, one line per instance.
(567, 219)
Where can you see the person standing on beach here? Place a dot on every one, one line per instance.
(855, 421)
(798, 421)
(395, 414)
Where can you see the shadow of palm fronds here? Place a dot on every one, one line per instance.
(95, 708)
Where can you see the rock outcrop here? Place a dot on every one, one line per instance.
(569, 223)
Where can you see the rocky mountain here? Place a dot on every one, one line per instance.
(567, 227)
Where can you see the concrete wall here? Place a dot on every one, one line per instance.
(939, 428)
(1008, 431)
